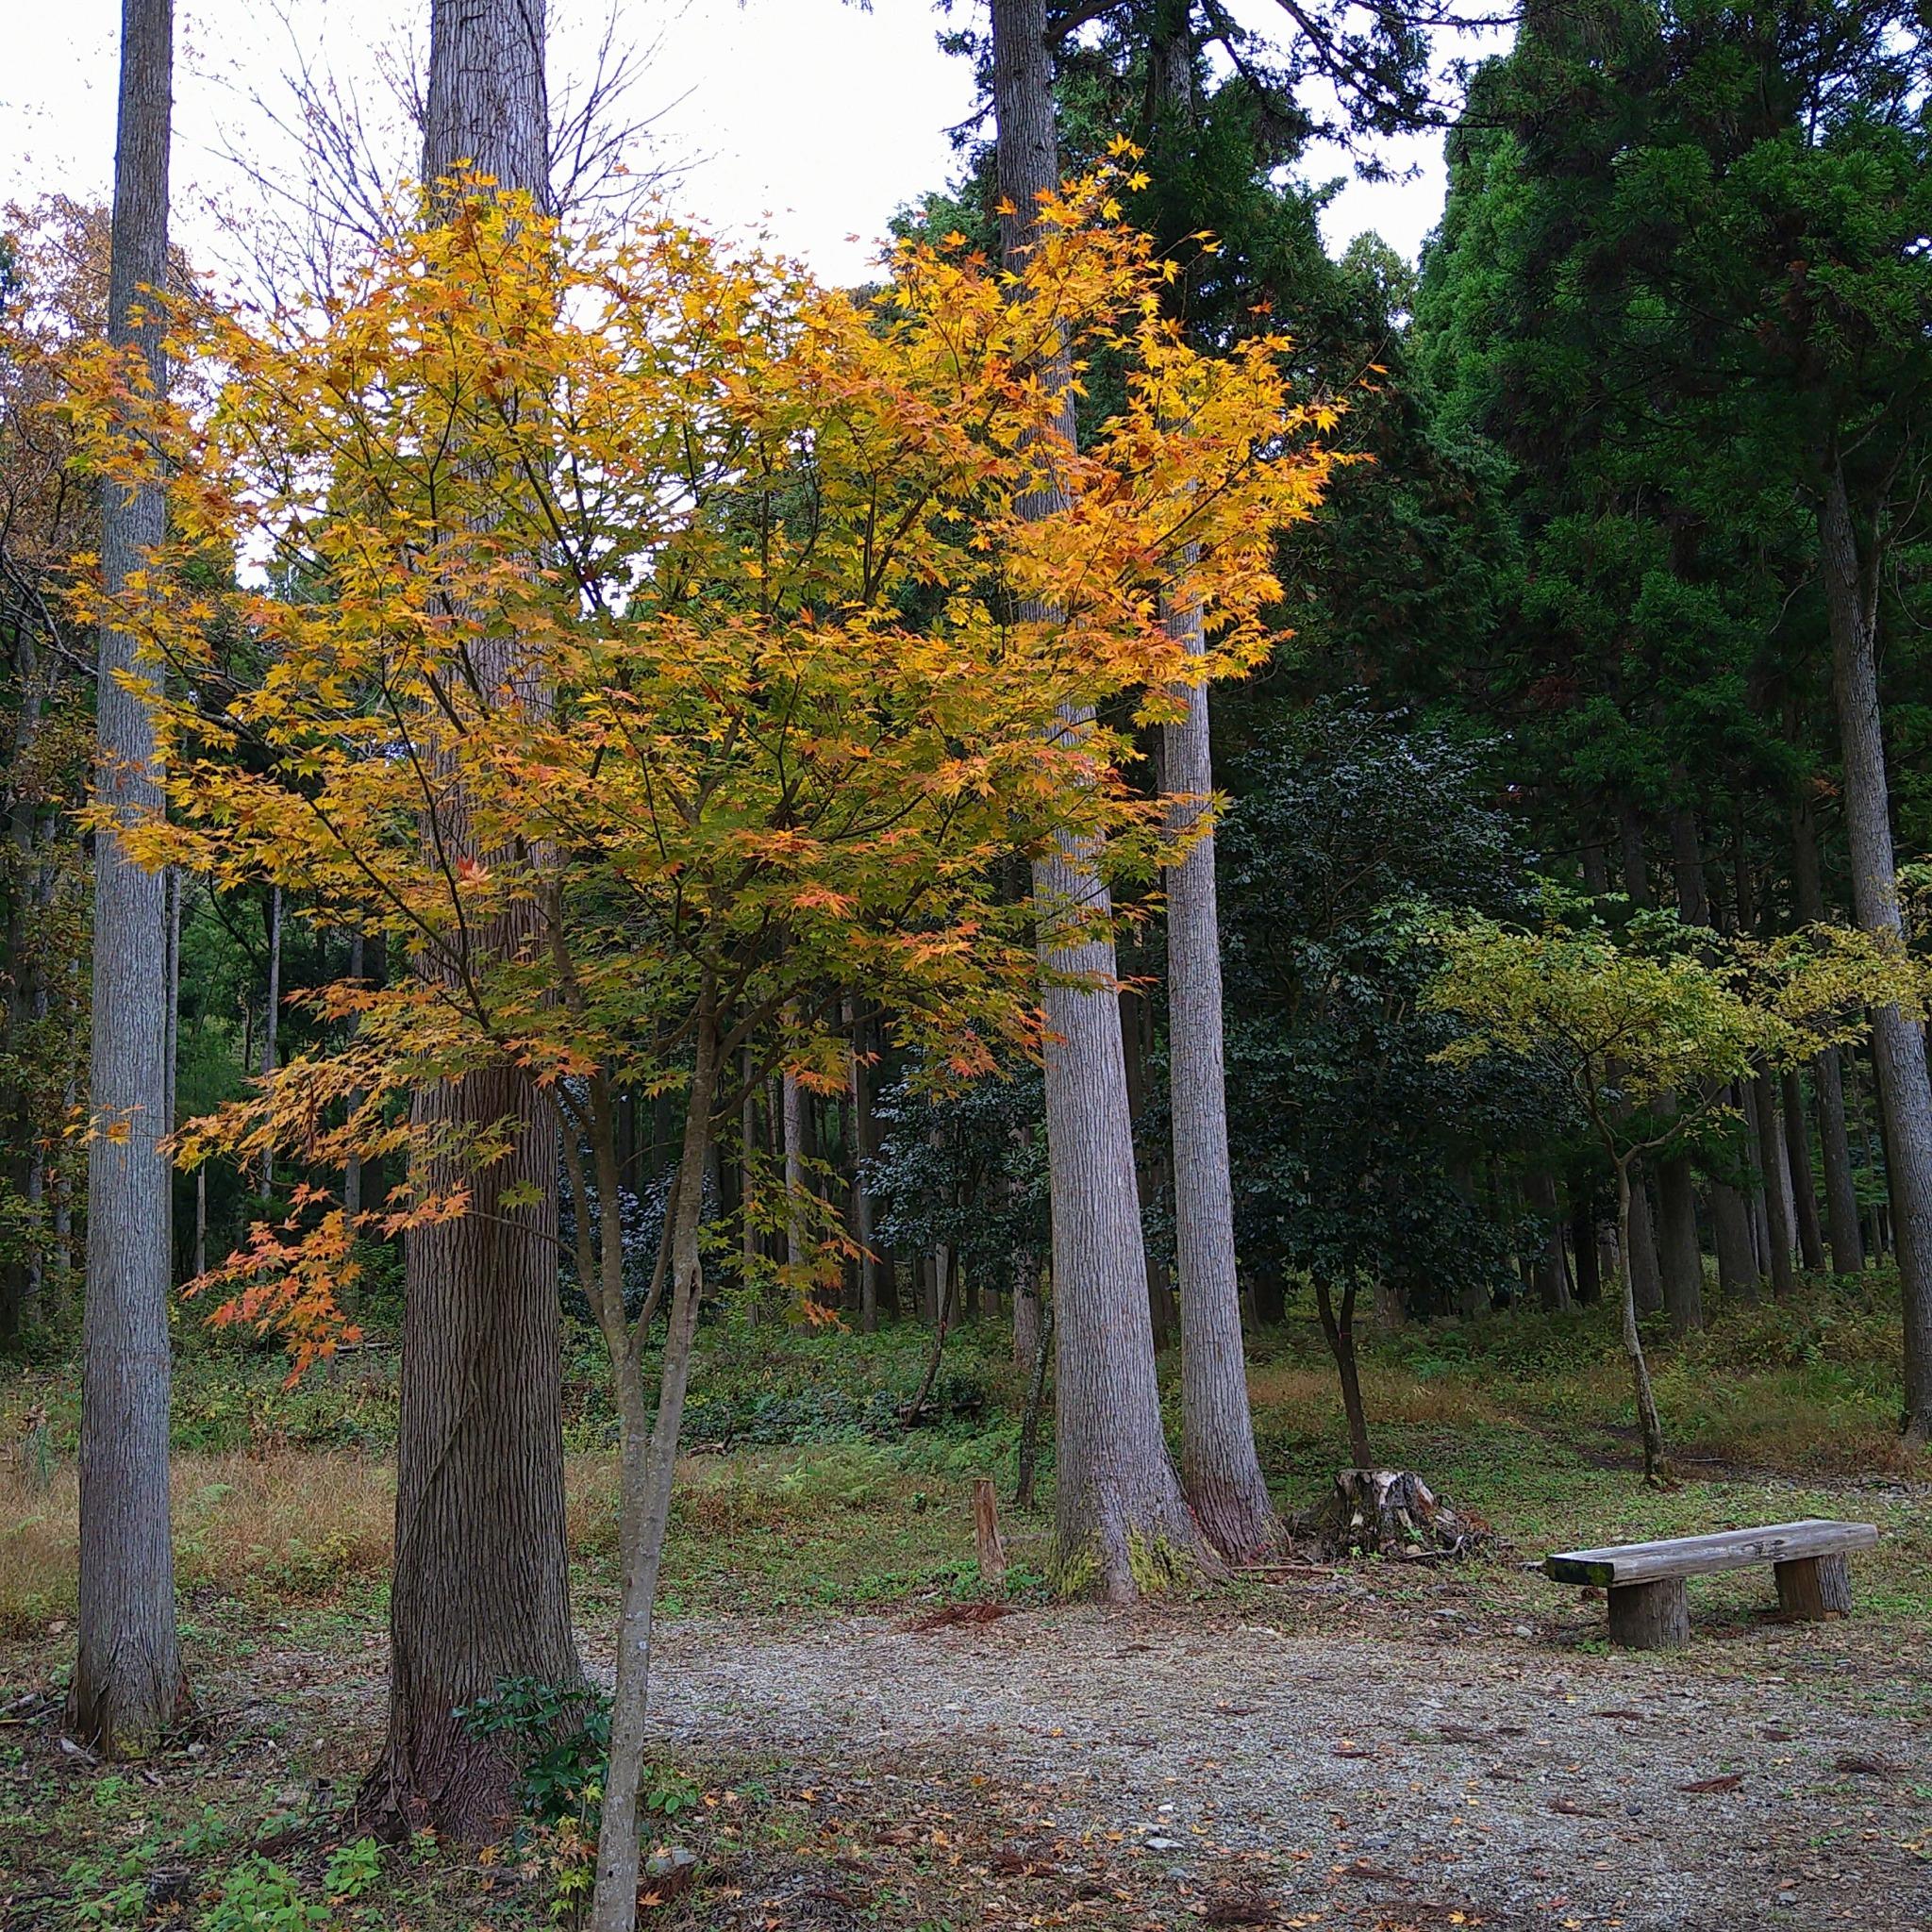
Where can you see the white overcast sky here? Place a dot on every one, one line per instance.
(810, 119)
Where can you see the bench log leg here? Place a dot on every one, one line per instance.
(1651, 1615)
(1813, 1588)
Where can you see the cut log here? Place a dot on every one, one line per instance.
(986, 1531)
(1814, 1587)
(1651, 1615)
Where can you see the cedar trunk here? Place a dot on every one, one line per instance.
(1220, 1469)
(481, 1589)
(127, 1681)
(1121, 1518)
(1898, 1045)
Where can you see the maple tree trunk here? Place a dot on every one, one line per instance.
(481, 1589)
(1122, 1522)
(1338, 1327)
(128, 1685)
(649, 1465)
(1648, 1425)
(1898, 1044)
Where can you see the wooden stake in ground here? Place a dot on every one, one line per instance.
(986, 1535)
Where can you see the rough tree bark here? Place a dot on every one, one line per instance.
(1121, 1518)
(1898, 1045)
(1219, 1470)
(127, 1681)
(481, 1589)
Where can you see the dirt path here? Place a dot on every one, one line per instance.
(1392, 1778)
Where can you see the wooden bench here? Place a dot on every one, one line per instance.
(1649, 1607)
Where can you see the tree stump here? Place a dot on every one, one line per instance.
(1811, 1588)
(1388, 1513)
(1651, 1615)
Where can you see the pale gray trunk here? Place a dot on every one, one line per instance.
(1841, 1229)
(127, 1679)
(1898, 1044)
(1121, 1518)
(1220, 1469)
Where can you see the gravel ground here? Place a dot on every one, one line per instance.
(1428, 1764)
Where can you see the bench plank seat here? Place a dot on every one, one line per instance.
(1623, 1564)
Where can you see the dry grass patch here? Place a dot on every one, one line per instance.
(298, 1523)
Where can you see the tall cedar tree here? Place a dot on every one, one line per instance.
(1119, 1513)
(127, 1681)
(1220, 1469)
(481, 1589)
